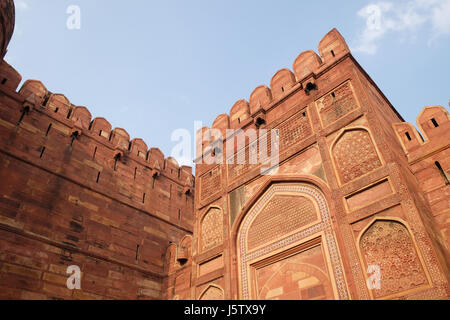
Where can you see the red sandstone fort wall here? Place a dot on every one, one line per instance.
(356, 188)
(76, 192)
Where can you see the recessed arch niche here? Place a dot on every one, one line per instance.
(286, 246)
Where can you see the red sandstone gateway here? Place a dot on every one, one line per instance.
(358, 208)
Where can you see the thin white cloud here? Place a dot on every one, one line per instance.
(405, 17)
(441, 18)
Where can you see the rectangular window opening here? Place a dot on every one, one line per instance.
(408, 136)
(48, 129)
(4, 80)
(137, 252)
(22, 116)
(95, 152)
(143, 198)
(98, 176)
(46, 98)
(332, 53)
(433, 120)
(42, 152)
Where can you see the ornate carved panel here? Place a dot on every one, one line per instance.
(388, 245)
(282, 215)
(291, 131)
(354, 155)
(211, 229)
(337, 104)
(210, 183)
(294, 129)
(245, 160)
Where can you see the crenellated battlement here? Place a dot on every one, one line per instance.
(433, 134)
(306, 68)
(80, 120)
(81, 192)
(54, 133)
(305, 178)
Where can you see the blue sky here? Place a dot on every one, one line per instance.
(152, 67)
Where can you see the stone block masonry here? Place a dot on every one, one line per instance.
(357, 208)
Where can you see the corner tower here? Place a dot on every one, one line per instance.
(341, 208)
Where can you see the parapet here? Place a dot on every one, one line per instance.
(332, 45)
(10, 78)
(261, 97)
(305, 68)
(239, 113)
(434, 125)
(281, 82)
(80, 120)
(433, 121)
(101, 127)
(34, 91)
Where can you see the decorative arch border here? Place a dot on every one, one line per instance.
(324, 227)
(339, 135)
(200, 222)
(317, 219)
(416, 247)
(212, 285)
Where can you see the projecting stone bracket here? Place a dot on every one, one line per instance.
(156, 173)
(309, 84)
(259, 118)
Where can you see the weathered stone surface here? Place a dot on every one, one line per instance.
(347, 163)
(356, 189)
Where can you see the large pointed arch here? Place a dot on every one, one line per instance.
(305, 186)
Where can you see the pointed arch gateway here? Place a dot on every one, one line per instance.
(286, 246)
